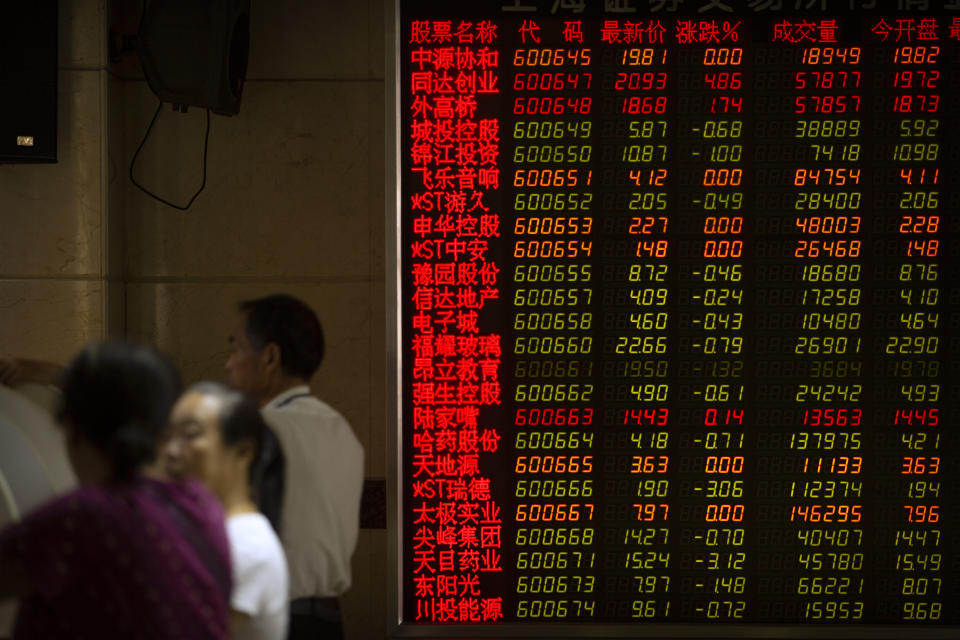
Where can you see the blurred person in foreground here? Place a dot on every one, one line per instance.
(276, 346)
(124, 555)
(220, 438)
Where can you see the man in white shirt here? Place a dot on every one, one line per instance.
(276, 347)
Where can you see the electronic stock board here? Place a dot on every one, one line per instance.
(676, 317)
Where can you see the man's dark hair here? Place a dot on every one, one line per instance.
(118, 397)
(240, 420)
(292, 326)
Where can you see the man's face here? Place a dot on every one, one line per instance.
(245, 367)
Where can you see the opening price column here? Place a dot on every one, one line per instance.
(913, 65)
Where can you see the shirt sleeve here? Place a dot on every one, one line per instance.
(252, 583)
(248, 588)
(44, 546)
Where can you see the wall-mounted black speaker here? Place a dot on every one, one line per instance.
(28, 81)
(194, 52)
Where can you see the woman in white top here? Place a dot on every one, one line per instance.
(220, 438)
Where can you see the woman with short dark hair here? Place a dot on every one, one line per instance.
(124, 555)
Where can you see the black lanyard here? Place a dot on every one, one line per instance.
(291, 399)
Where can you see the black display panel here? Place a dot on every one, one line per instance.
(677, 318)
(28, 82)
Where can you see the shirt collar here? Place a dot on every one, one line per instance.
(278, 401)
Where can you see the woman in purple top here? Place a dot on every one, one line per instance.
(123, 556)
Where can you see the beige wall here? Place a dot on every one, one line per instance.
(293, 203)
(57, 266)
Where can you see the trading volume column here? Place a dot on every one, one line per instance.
(825, 497)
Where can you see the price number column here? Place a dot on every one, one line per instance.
(825, 497)
(552, 322)
(912, 338)
(636, 208)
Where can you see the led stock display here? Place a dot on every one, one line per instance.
(679, 312)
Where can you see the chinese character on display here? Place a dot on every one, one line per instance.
(453, 362)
